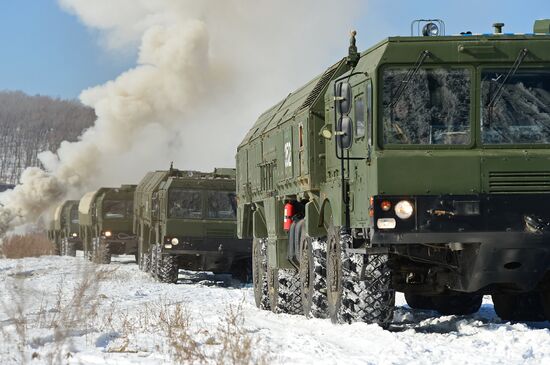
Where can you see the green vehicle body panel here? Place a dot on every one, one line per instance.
(93, 222)
(153, 225)
(61, 225)
(269, 172)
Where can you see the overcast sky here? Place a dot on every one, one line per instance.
(47, 51)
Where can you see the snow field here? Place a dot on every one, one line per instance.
(65, 310)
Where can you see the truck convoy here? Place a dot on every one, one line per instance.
(187, 219)
(420, 165)
(173, 219)
(64, 230)
(106, 219)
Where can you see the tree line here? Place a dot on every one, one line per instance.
(32, 124)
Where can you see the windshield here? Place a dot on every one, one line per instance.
(184, 203)
(521, 113)
(74, 214)
(221, 204)
(117, 209)
(434, 108)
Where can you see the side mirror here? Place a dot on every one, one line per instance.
(326, 131)
(343, 98)
(344, 132)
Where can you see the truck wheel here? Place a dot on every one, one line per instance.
(358, 286)
(417, 301)
(284, 291)
(519, 307)
(259, 272)
(145, 262)
(104, 254)
(101, 253)
(62, 248)
(70, 248)
(313, 273)
(57, 249)
(167, 268)
(462, 304)
(154, 261)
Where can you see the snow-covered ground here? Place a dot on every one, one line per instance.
(65, 310)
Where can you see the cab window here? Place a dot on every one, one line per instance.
(515, 110)
(221, 204)
(117, 209)
(429, 107)
(360, 116)
(185, 204)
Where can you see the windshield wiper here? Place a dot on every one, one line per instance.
(498, 93)
(408, 77)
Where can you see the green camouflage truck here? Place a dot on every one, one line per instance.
(106, 221)
(421, 165)
(64, 229)
(187, 220)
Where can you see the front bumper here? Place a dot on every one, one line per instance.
(208, 246)
(121, 247)
(483, 241)
(209, 254)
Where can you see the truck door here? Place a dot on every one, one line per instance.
(358, 169)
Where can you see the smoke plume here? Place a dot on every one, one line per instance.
(205, 70)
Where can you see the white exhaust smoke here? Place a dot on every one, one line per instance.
(206, 69)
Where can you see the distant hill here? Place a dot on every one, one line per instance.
(31, 124)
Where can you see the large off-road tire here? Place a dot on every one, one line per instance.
(167, 268)
(69, 248)
(284, 291)
(259, 272)
(101, 252)
(417, 301)
(57, 249)
(313, 284)
(462, 304)
(358, 286)
(154, 261)
(144, 263)
(519, 307)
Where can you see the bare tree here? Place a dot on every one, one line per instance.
(31, 124)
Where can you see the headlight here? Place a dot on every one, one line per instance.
(404, 209)
(175, 241)
(108, 233)
(75, 234)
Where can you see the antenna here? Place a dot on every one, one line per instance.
(353, 56)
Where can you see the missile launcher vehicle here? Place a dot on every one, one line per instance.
(106, 221)
(64, 229)
(187, 220)
(421, 165)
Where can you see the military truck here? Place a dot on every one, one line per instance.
(421, 165)
(187, 219)
(63, 231)
(106, 220)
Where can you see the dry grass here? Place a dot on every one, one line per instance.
(80, 309)
(75, 311)
(30, 245)
(184, 339)
(238, 346)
